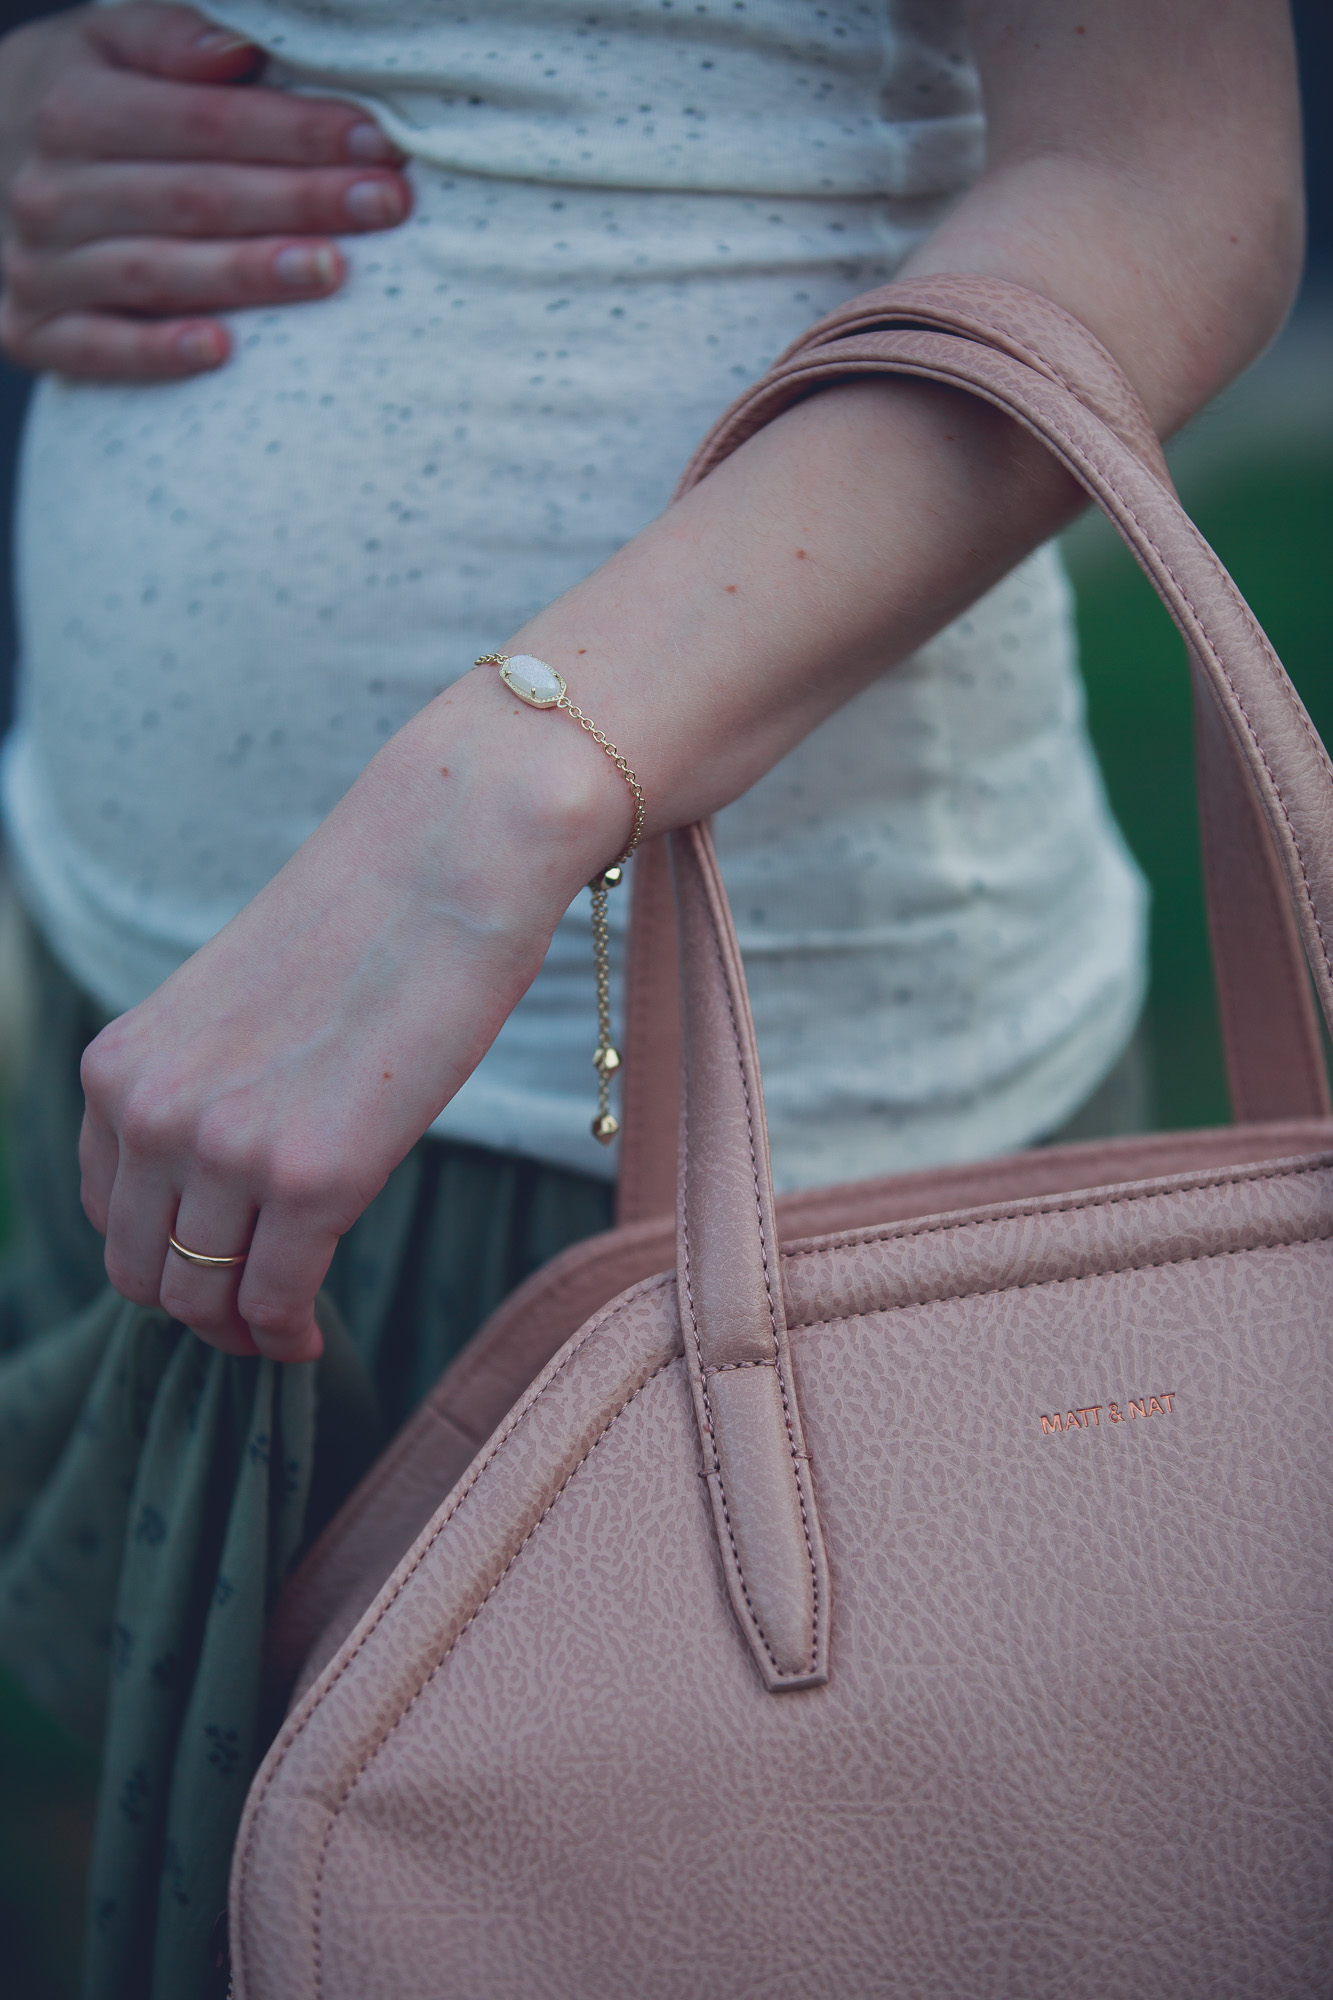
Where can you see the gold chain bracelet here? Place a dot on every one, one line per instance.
(540, 686)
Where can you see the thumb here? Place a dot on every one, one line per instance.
(171, 41)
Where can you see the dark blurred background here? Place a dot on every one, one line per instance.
(1256, 472)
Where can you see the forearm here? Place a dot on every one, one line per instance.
(841, 537)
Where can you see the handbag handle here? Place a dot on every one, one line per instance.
(729, 1284)
(1270, 1032)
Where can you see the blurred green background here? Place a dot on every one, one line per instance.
(1256, 472)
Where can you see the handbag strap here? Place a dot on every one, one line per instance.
(650, 1038)
(1259, 968)
(728, 1279)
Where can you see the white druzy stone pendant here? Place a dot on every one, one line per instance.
(532, 680)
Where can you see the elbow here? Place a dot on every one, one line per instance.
(1246, 267)
(1271, 264)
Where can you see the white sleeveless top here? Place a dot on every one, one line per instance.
(234, 589)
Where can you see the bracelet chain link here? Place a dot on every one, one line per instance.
(607, 1058)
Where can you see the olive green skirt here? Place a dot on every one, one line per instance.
(154, 1493)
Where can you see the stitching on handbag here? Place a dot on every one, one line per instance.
(888, 1235)
(1220, 917)
(517, 1419)
(975, 323)
(1221, 576)
(1071, 1278)
(715, 1474)
(1259, 749)
(803, 1326)
(471, 1619)
(552, 1294)
(776, 1363)
(370, 1755)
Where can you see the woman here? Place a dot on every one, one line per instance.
(239, 585)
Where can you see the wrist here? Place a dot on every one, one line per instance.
(519, 806)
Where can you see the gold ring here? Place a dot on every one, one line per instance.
(212, 1263)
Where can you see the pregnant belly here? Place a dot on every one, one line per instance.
(234, 589)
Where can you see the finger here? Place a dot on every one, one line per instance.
(139, 1217)
(98, 1159)
(211, 1220)
(103, 347)
(159, 275)
(216, 1321)
(290, 1254)
(170, 41)
(59, 207)
(91, 114)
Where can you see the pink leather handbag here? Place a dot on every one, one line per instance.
(923, 1589)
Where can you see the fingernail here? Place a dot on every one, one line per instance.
(374, 202)
(367, 142)
(306, 267)
(202, 346)
(222, 42)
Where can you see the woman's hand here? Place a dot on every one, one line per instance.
(145, 184)
(259, 1099)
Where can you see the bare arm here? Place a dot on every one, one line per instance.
(1144, 174)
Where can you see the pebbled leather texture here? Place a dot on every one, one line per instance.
(1063, 1453)
(731, 1309)
(342, 1573)
(1011, 320)
(1270, 1027)
(1074, 1744)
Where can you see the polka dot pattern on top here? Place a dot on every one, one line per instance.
(234, 589)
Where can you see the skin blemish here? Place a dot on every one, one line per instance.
(800, 555)
(388, 1076)
(582, 651)
(732, 588)
(444, 770)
